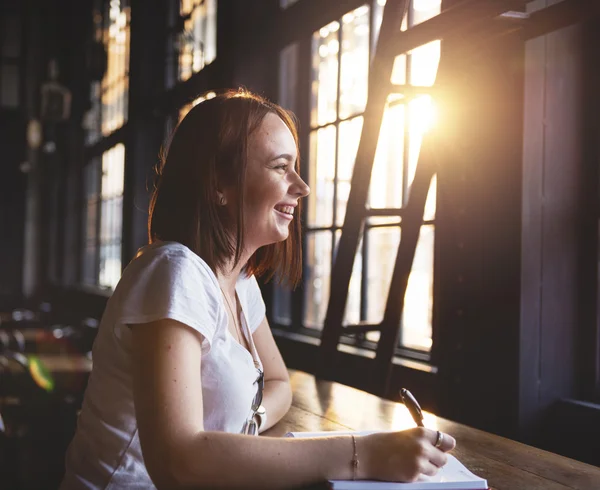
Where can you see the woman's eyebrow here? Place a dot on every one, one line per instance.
(285, 156)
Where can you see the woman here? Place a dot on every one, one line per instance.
(185, 367)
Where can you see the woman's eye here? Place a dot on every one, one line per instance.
(282, 166)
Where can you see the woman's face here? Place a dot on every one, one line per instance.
(272, 186)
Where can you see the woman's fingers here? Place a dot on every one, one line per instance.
(444, 442)
(438, 458)
(429, 469)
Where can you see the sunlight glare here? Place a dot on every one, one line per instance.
(402, 420)
(424, 114)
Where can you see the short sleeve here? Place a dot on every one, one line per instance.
(173, 284)
(255, 305)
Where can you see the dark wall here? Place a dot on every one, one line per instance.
(12, 154)
(12, 204)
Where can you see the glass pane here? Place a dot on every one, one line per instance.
(424, 62)
(282, 305)
(354, 71)
(347, 147)
(110, 265)
(198, 41)
(430, 204)
(115, 84)
(91, 185)
(89, 266)
(321, 176)
(423, 10)
(325, 74)
(386, 181)
(111, 217)
(422, 115)
(91, 221)
(286, 3)
(288, 77)
(92, 120)
(113, 163)
(418, 302)
(383, 248)
(399, 69)
(316, 278)
(352, 313)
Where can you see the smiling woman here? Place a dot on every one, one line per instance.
(216, 175)
(186, 369)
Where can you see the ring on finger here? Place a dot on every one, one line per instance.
(439, 440)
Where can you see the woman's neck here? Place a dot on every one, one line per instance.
(228, 275)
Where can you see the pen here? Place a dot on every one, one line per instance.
(413, 406)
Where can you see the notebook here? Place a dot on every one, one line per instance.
(453, 476)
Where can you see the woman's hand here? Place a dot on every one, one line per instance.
(402, 456)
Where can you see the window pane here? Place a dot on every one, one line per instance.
(91, 185)
(383, 248)
(399, 69)
(423, 10)
(115, 83)
(321, 175)
(418, 302)
(430, 205)
(424, 62)
(111, 218)
(352, 313)
(198, 42)
(89, 266)
(282, 305)
(316, 278)
(386, 181)
(355, 62)
(325, 74)
(348, 146)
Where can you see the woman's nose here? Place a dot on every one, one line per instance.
(300, 187)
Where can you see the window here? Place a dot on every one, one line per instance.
(197, 44)
(341, 53)
(103, 217)
(92, 175)
(110, 96)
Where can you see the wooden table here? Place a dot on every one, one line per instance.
(506, 464)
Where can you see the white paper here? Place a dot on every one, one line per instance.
(453, 476)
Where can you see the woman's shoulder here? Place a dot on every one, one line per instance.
(171, 252)
(170, 259)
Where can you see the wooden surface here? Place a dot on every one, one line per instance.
(506, 464)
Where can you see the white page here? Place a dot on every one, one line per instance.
(453, 476)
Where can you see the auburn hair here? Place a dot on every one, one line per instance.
(208, 149)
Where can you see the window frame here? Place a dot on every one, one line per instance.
(100, 143)
(295, 323)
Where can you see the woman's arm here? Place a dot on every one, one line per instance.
(277, 397)
(178, 453)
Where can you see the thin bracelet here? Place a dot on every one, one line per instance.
(354, 461)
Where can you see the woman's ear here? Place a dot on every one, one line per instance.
(221, 198)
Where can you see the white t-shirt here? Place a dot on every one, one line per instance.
(166, 280)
